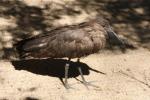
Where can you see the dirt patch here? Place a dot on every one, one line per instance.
(126, 78)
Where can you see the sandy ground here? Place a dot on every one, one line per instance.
(117, 76)
(127, 77)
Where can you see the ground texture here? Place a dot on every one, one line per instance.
(127, 77)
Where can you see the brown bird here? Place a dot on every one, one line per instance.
(74, 41)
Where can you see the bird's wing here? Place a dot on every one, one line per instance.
(32, 44)
(71, 43)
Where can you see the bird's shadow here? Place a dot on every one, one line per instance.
(52, 67)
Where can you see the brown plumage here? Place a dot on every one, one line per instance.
(72, 41)
(68, 41)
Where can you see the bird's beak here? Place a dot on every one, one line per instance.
(113, 38)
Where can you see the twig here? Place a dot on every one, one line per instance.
(134, 78)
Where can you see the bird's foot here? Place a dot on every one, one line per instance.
(87, 84)
(67, 86)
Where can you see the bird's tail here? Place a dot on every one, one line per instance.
(19, 50)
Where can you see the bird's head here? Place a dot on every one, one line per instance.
(111, 36)
(103, 22)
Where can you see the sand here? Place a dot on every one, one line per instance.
(117, 76)
(127, 77)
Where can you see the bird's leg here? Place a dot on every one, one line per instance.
(66, 74)
(83, 79)
(81, 73)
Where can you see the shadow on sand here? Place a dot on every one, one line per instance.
(52, 67)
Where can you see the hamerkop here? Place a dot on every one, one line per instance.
(73, 41)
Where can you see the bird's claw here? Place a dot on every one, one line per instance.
(89, 84)
(67, 86)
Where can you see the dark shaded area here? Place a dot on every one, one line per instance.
(134, 13)
(52, 67)
(3, 99)
(31, 18)
(129, 18)
(28, 18)
(31, 98)
(28, 90)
